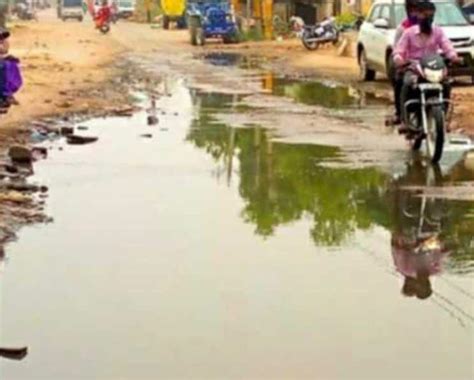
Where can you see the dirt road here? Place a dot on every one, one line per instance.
(68, 66)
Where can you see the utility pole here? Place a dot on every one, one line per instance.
(148, 11)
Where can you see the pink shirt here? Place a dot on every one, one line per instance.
(414, 46)
(406, 24)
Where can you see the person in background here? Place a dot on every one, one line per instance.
(104, 14)
(397, 83)
(10, 75)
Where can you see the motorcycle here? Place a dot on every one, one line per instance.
(426, 110)
(24, 12)
(103, 19)
(322, 33)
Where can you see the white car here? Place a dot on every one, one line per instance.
(377, 36)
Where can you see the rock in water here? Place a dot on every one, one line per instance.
(152, 120)
(20, 154)
(14, 353)
(80, 140)
(66, 131)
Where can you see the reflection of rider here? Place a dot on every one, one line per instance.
(417, 249)
(417, 261)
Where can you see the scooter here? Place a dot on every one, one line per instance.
(325, 32)
(102, 20)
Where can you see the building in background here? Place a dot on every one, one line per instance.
(311, 11)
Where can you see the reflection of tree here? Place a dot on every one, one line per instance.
(458, 232)
(282, 183)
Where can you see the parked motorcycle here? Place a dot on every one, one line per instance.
(325, 32)
(425, 111)
(24, 12)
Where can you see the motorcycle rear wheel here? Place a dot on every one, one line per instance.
(309, 45)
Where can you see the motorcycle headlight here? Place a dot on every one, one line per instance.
(434, 76)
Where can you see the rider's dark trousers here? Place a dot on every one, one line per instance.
(397, 84)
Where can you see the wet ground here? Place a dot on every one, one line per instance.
(191, 249)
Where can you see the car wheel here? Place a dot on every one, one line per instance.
(366, 74)
(390, 68)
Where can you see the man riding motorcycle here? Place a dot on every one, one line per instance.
(418, 42)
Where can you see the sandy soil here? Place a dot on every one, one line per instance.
(62, 63)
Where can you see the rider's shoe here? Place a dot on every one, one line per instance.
(403, 129)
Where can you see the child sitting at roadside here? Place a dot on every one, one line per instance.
(10, 75)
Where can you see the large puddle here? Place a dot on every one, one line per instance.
(212, 252)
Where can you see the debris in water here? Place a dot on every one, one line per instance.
(66, 131)
(124, 112)
(80, 140)
(39, 151)
(147, 135)
(152, 120)
(15, 197)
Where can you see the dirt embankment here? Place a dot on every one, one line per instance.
(63, 66)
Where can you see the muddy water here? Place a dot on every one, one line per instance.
(209, 252)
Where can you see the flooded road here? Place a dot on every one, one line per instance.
(204, 251)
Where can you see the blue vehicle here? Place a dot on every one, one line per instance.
(211, 19)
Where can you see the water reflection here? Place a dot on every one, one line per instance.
(418, 246)
(325, 94)
(282, 183)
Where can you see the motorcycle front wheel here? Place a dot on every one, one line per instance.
(435, 135)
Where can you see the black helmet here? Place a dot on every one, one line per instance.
(410, 4)
(426, 5)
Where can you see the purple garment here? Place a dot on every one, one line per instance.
(12, 80)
